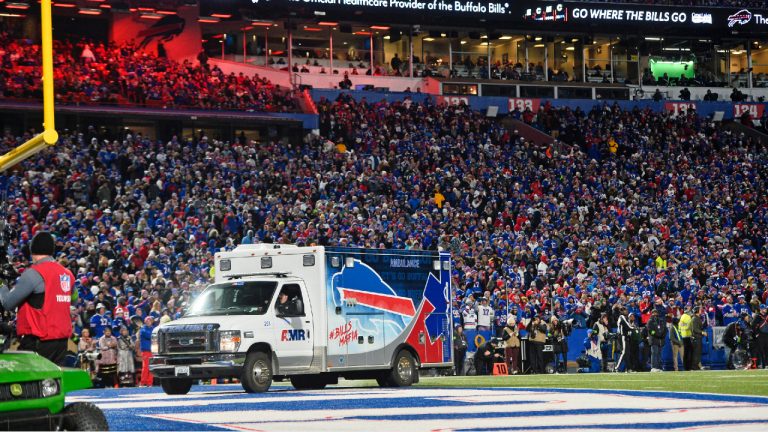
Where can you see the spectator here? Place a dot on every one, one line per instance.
(107, 365)
(657, 333)
(145, 347)
(125, 357)
(678, 346)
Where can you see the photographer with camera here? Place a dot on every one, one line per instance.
(43, 294)
(86, 352)
(537, 337)
(560, 331)
(486, 356)
(603, 330)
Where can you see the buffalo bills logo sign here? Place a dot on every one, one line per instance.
(741, 17)
(65, 282)
(164, 30)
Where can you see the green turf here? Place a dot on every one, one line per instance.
(754, 383)
(723, 382)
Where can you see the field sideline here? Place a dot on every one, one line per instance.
(751, 383)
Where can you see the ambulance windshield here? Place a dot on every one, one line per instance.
(234, 298)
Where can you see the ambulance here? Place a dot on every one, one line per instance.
(311, 315)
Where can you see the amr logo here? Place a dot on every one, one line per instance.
(294, 335)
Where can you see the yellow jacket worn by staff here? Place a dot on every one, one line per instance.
(685, 325)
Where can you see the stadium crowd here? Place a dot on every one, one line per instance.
(627, 213)
(98, 74)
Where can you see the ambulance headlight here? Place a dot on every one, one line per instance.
(229, 341)
(154, 347)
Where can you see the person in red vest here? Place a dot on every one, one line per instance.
(43, 295)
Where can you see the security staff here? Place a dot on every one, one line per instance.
(43, 295)
(687, 335)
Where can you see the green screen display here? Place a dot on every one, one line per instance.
(673, 69)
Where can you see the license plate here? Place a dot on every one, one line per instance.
(181, 370)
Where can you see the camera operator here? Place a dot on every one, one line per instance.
(736, 338)
(560, 331)
(43, 295)
(537, 337)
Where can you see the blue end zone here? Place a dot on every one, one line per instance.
(126, 418)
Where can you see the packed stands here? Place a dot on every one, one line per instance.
(629, 204)
(99, 74)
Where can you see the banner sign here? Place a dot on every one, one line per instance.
(755, 110)
(178, 33)
(531, 14)
(522, 104)
(677, 108)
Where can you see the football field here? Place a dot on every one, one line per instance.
(664, 401)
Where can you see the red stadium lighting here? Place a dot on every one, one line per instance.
(97, 1)
(105, 6)
(221, 15)
(166, 12)
(313, 29)
(61, 5)
(217, 36)
(262, 23)
(328, 23)
(246, 28)
(208, 20)
(16, 5)
(89, 11)
(378, 27)
(151, 16)
(146, 9)
(363, 33)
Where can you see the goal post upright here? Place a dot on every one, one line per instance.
(49, 136)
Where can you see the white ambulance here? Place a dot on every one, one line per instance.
(311, 315)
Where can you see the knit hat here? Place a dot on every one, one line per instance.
(42, 244)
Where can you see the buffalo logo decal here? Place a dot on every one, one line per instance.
(741, 17)
(164, 30)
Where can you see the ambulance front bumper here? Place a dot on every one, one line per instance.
(197, 367)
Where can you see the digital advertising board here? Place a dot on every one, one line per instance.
(618, 18)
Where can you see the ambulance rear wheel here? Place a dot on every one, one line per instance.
(403, 371)
(257, 372)
(176, 386)
(308, 382)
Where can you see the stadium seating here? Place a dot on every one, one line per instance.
(121, 75)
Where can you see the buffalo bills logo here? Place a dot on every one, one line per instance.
(741, 17)
(65, 282)
(165, 29)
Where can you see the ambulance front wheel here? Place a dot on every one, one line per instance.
(257, 372)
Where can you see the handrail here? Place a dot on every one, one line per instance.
(49, 137)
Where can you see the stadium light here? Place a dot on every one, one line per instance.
(17, 5)
(89, 11)
(150, 16)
